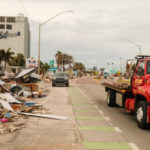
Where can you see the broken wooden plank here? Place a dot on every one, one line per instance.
(6, 105)
(27, 109)
(1, 82)
(44, 116)
(26, 99)
(9, 98)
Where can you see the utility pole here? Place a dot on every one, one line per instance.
(137, 45)
(40, 25)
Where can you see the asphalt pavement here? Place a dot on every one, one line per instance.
(126, 125)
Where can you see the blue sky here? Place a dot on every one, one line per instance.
(94, 34)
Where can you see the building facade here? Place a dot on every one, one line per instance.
(15, 34)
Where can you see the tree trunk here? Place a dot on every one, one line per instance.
(5, 66)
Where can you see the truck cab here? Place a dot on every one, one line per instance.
(141, 77)
(140, 86)
(135, 98)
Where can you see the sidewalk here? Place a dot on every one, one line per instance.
(48, 134)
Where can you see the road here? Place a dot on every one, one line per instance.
(90, 124)
(127, 123)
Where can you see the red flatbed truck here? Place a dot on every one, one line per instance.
(135, 97)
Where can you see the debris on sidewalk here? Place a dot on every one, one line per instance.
(9, 98)
(18, 100)
(6, 105)
(25, 73)
(44, 116)
(1, 82)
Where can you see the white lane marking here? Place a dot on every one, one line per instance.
(95, 106)
(133, 146)
(118, 129)
(83, 93)
(111, 124)
(107, 118)
(101, 112)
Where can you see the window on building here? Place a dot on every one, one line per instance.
(11, 19)
(2, 26)
(9, 26)
(2, 19)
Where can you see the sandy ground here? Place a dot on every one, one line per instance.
(47, 134)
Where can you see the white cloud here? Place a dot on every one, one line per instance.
(93, 33)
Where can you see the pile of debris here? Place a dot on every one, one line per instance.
(18, 101)
(119, 84)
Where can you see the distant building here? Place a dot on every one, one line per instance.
(15, 34)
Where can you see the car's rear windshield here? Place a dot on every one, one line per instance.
(61, 74)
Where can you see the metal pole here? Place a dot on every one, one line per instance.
(139, 46)
(140, 49)
(39, 49)
(40, 25)
(120, 65)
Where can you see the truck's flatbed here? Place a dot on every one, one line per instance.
(122, 88)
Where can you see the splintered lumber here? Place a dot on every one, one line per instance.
(117, 85)
(3, 89)
(44, 116)
(9, 98)
(26, 99)
(120, 84)
(6, 105)
(27, 109)
(2, 83)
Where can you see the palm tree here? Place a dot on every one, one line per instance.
(59, 58)
(64, 61)
(2, 52)
(19, 60)
(44, 67)
(69, 60)
(7, 57)
(79, 66)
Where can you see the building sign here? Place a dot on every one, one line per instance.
(31, 62)
(53, 69)
(5, 35)
(51, 63)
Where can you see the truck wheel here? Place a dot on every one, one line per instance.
(111, 98)
(141, 115)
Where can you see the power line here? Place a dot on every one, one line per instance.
(24, 7)
(25, 10)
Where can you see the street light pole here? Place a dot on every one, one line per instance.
(139, 46)
(120, 65)
(40, 25)
(39, 49)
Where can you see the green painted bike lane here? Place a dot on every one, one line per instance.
(96, 132)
